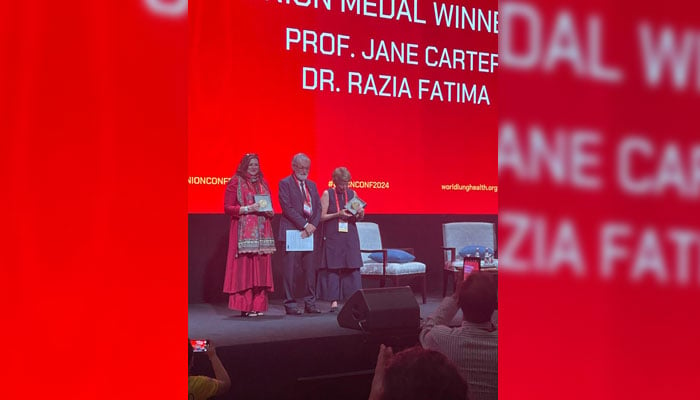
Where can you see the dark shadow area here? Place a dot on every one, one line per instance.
(338, 367)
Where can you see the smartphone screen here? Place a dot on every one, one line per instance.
(471, 264)
(200, 345)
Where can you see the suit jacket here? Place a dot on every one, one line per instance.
(292, 203)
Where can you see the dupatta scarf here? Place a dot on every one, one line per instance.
(254, 231)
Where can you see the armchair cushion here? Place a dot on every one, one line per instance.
(474, 251)
(393, 256)
(414, 267)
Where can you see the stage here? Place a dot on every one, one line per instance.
(279, 356)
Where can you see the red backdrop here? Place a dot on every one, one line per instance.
(94, 275)
(246, 95)
(599, 282)
(93, 283)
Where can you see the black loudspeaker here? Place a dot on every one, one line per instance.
(384, 309)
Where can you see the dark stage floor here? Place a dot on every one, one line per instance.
(225, 327)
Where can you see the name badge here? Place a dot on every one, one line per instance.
(342, 226)
(307, 209)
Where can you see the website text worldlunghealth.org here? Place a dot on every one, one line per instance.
(470, 188)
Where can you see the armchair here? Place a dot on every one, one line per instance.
(455, 236)
(371, 242)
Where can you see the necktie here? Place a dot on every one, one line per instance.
(307, 203)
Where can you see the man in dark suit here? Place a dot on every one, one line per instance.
(301, 212)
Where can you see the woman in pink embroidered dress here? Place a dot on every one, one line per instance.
(251, 242)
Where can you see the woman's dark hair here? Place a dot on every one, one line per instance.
(242, 170)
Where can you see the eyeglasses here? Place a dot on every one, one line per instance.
(297, 166)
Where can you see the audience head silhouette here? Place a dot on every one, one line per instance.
(420, 374)
(478, 297)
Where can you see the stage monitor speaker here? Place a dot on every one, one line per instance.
(383, 309)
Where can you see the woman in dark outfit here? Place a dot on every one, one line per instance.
(340, 254)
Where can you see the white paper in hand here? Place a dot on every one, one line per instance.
(296, 243)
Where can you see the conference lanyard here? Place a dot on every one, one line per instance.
(337, 200)
(306, 190)
(342, 225)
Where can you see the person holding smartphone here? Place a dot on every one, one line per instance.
(473, 346)
(201, 387)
